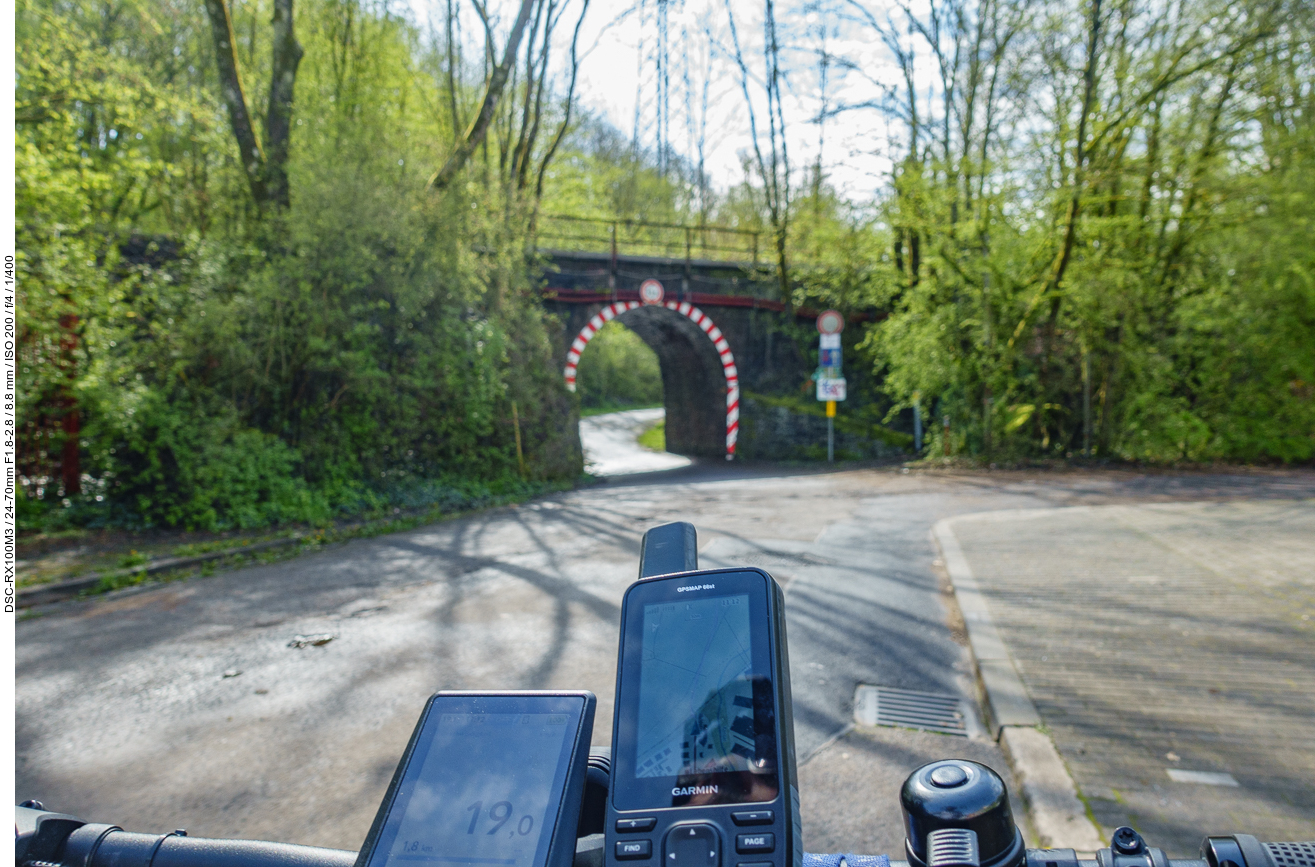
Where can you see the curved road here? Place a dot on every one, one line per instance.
(610, 447)
(184, 705)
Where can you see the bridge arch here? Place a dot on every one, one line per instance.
(637, 317)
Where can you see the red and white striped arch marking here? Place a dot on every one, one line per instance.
(699, 318)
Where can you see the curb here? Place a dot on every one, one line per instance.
(42, 594)
(1058, 816)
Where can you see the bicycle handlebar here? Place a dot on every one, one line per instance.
(57, 840)
(111, 846)
(47, 839)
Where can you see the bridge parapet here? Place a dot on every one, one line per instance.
(626, 237)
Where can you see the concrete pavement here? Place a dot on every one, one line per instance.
(1169, 651)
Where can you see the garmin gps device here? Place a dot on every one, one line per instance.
(488, 778)
(703, 764)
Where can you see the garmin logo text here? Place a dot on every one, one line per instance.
(693, 790)
(696, 587)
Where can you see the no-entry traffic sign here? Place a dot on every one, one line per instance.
(830, 322)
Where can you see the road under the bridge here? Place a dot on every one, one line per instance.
(611, 448)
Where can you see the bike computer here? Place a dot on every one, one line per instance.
(488, 778)
(703, 764)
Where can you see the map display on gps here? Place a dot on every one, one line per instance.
(696, 693)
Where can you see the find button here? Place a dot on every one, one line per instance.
(948, 777)
(630, 850)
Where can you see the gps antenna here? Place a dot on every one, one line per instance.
(669, 548)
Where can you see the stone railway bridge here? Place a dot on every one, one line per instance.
(718, 332)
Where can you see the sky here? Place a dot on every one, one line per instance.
(620, 70)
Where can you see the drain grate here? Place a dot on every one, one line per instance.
(904, 708)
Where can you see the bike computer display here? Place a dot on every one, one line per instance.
(487, 779)
(703, 768)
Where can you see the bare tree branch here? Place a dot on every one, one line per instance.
(452, 72)
(488, 106)
(773, 172)
(536, 73)
(566, 114)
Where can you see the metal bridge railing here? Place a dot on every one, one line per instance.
(648, 238)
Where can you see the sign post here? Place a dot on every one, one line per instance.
(830, 382)
(917, 423)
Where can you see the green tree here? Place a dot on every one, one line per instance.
(618, 370)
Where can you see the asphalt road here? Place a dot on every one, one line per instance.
(184, 706)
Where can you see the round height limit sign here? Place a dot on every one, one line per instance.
(651, 292)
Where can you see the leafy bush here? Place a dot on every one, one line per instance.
(178, 465)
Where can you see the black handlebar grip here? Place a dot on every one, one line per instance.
(111, 846)
(1244, 850)
(195, 852)
(593, 806)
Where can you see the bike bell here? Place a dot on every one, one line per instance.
(956, 814)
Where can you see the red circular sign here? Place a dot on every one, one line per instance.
(651, 292)
(830, 322)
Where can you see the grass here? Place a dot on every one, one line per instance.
(655, 438)
(587, 411)
(102, 552)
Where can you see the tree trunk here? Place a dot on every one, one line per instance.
(278, 121)
(230, 81)
(1065, 253)
(266, 169)
(1080, 160)
(70, 463)
(566, 112)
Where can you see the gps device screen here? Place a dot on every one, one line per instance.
(696, 673)
(483, 783)
(696, 690)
